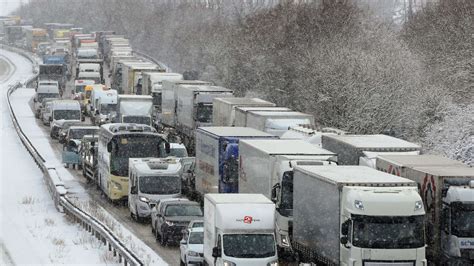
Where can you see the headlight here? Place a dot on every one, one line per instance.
(193, 254)
(284, 240)
(273, 263)
(144, 199)
(229, 263)
(117, 185)
(169, 223)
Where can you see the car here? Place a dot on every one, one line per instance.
(196, 223)
(192, 247)
(45, 112)
(178, 150)
(171, 216)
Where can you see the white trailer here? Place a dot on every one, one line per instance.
(132, 74)
(242, 111)
(223, 111)
(447, 190)
(266, 167)
(170, 99)
(363, 149)
(239, 230)
(277, 123)
(356, 215)
(134, 109)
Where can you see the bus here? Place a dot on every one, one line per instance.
(117, 143)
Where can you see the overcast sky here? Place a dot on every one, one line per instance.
(7, 6)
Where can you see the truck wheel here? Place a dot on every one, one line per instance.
(181, 263)
(163, 240)
(157, 235)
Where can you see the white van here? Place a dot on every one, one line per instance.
(45, 89)
(69, 110)
(95, 76)
(89, 67)
(151, 180)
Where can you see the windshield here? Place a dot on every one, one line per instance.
(161, 185)
(462, 224)
(286, 201)
(137, 120)
(108, 108)
(204, 113)
(42, 96)
(183, 210)
(88, 94)
(133, 146)
(394, 232)
(196, 238)
(80, 88)
(249, 245)
(198, 224)
(79, 133)
(67, 114)
(178, 152)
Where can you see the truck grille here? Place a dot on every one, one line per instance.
(389, 263)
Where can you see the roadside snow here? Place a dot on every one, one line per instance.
(31, 230)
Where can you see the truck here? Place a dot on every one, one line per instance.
(134, 109)
(277, 123)
(194, 109)
(151, 180)
(363, 149)
(242, 111)
(53, 72)
(223, 112)
(45, 89)
(266, 167)
(33, 37)
(447, 190)
(239, 230)
(103, 105)
(217, 156)
(170, 98)
(356, 215)
(132, 74)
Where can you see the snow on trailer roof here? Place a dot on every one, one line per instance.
(244, 101)
(227, 198)
(375, 141)
(354, 176)
(263, 108)
(132, 96)
(447, 171)
(234, 131)
(279, 114)
(286, 147)
(209, 88)
(420, 160)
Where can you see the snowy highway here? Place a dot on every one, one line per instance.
(32, 231)
(139, 236)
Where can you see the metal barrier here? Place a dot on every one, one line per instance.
(56, 186)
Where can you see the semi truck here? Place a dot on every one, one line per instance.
(447, 190)
(132, 75)
(363, 149)
(356, 215)
(170, 99)
(239, 230)
(134, 109)
(223, 112)
(33, 37)
(242, 111)
(217, 156)
(266, 167)
(53, 72)
(103, 105)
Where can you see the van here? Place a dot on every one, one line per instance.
(45, 89)
(64, 110)
(89, 67)
(95, 76)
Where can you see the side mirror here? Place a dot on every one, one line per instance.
(275, 191)
(92, 150)
(34, 100)
(344, 240)
(133, 190)
(109, 147)
(97, 112)
(167, 147)
(216, 252)
(345, 228)
(50, 119)
(83, 118)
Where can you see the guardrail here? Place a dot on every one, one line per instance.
(56, 186)
(152, 60)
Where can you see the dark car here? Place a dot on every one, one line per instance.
(171, 216)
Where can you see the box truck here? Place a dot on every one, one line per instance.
(447, 190)
(363, 149)
(242, 111)
(223, 112)
(217, 155)
(239, 230)
(356, 215)
(266, 167)
(134, 109)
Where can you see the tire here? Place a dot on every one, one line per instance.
(157, 236)
(67, 165)
(181, 263)
(163, 240)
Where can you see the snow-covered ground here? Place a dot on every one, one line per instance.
(31, 230)
(41, 204)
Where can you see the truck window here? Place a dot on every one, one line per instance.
(204, 113)
(249, 245)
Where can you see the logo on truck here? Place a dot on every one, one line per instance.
(428, 193)
(394, 170)
(247, 219)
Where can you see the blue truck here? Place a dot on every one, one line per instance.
(217, 154)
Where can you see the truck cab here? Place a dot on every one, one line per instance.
(239, 230)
